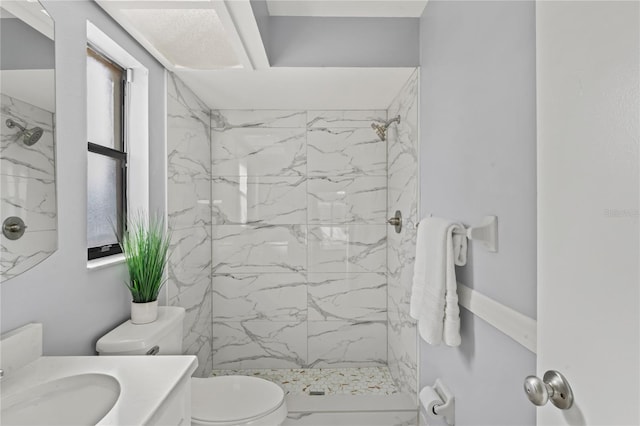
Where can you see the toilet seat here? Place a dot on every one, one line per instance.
(236, 400)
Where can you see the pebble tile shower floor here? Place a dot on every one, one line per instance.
(331, 381)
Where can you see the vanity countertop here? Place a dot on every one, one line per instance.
(146, 382)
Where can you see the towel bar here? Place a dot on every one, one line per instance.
(486, 232)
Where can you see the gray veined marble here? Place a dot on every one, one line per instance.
(189, 265)
(259, 200)
(189, 202)
(344, 200)
(32, 199)
(21, 255)
(345, 152)
(189, 270)
(188, 143)
(258, 152)
(347, 343)
(188, 134)
(260, 296)
(264, 248)
(339, 119)
(259, 344)
(227, 119)
(403, 195)
(189, 190)
(298, 203)
(347, 297)
(197, 334)
(27, 187)
(403, 151)
(186, 109)
(347, 248)
(17, 159)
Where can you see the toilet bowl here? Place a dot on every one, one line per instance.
(236, 400)
(215, 401)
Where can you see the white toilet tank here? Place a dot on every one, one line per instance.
(161, 337)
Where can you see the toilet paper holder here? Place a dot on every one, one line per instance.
(440, 404)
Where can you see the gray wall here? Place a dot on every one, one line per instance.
(342, 42)
(22, 47)
(300, 41)
(478, 157)
(75, 305)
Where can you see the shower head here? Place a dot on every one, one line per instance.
(29, 136)
(381, 129)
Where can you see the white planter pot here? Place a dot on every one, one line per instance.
(144, 313)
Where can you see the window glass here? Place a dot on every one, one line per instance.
(104, 101)
(104, 199)
(107, 159)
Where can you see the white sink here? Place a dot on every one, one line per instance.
(81, 399)
(90, 390)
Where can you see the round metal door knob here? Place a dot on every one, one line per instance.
(553, 386)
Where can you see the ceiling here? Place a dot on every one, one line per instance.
(298, 88)
(29, 12)
(347, 8)
(36, 87)
(216, 47)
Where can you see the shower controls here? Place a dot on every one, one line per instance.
(396, 221)
(13, 227)
(553, 386)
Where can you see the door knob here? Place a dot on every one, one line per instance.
(553, 386)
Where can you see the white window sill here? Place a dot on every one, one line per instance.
(105, 262)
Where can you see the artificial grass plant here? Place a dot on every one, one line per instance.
(145, 245)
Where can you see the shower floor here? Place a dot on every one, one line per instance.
(331, 381)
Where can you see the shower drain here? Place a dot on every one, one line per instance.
(316, 393)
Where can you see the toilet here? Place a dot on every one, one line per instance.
(215, 401)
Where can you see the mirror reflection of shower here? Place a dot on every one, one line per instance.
(381, 128)
(29, 136)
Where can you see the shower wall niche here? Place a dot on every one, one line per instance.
(280, 252)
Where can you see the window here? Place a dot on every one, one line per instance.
(107, 154)
(119, 129)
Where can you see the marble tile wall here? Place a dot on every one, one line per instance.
(402, 195)
(303, 270)
(189, 211)
(27, 187)
(298, 239)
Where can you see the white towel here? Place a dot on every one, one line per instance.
(434, 300)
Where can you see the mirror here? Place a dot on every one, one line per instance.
(28, 208)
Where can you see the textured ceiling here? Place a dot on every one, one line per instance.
(189, 38)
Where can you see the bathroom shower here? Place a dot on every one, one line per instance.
(29, 136)
(381, 129)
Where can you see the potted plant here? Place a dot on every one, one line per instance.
(145, 245)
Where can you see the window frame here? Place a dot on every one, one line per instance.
(99, 252)
(138, 128)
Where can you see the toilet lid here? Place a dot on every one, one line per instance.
(230, 398)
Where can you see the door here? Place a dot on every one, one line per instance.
(588, 55)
